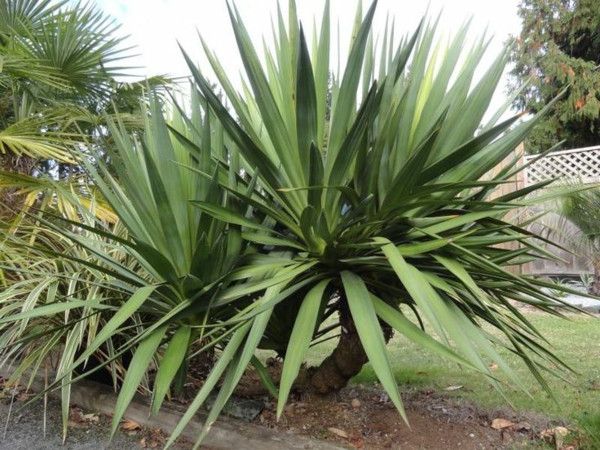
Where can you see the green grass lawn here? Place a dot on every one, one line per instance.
(576, 341)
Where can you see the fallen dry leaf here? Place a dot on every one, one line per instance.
(93, 418)
(521, 426)
(559, 436)
(130, 425)
(500, 424)
(73, 424)
(76, 414)
(338, 432)
(562, 431)
(454, 388)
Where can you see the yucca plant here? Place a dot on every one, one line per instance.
(381, 194)
(162, 286)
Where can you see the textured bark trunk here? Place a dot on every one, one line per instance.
(347, 359)
(10, 198)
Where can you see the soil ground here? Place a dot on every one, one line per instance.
(360, 417)
(356, 417)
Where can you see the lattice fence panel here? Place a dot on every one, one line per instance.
(580, 164)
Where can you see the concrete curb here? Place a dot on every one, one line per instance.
(224, 434)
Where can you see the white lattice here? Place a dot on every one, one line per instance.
(579, 164)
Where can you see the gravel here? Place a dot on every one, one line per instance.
(23, 430)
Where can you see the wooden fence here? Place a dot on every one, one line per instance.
(577, 165)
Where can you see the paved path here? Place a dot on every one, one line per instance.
(589, 304)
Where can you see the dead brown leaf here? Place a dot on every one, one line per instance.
(130, 425)
(500, 424)
(521, 426)
(91, 418)
(76, 414)
(73, 424)
(547, 433)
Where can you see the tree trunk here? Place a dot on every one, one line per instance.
(347, 359)
(10, 198)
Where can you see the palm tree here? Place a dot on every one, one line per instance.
(60, 65)
(582, 208)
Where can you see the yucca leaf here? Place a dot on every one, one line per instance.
(345, 106)
(170, 364)
(282, 276)
(211, 381)
(135, 372)
(321, 74)
(306, 109)
(252, 152)
(400, 323)
(418, 288)
(228, 216)
(355, 140)
(270, 112)
(265, 377)
(464, 152)
(53, 308)
(124, 313)
(299, 342)
(371, 336)
(264, 239)
(448, 321)
(238, 365)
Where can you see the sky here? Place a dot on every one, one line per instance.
(156, 26)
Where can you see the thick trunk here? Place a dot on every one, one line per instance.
(200, 365)
(347, 359)
(11, 200)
